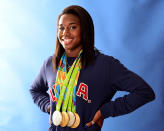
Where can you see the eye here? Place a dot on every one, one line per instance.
(73, 27)
(61, 28)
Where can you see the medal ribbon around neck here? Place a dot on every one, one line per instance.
(65, 86)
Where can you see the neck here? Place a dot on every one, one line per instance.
(73, 53)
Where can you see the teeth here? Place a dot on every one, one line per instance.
(67, 41)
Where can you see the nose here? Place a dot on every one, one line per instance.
(66, 32)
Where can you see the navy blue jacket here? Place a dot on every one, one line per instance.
(96, 86)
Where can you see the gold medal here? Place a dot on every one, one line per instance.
(71, 119)
(77, 121)
(65, 119)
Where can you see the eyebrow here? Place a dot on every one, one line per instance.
(69, 24)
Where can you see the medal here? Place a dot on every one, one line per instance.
(64, 87)
(71, 119)
(77, 121)
(56, 118)
(65, 119)
(57, 115)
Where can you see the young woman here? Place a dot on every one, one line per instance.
(82, 81)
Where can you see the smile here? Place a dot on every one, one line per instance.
(67, 41)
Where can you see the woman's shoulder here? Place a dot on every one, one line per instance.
(48, 61)
(105, 57)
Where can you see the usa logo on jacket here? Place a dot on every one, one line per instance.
(83, 92)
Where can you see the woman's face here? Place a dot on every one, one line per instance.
(69, 32)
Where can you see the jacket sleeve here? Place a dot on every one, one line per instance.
(39, 90)
(122, 79)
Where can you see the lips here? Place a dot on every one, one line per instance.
(67, 41)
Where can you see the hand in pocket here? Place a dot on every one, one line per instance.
(96, 119)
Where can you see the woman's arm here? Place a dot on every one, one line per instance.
(39, 90)
(123, 79)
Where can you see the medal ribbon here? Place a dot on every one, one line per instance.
(69, 93)
(65, 85)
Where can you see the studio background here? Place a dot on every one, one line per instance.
(130, 30)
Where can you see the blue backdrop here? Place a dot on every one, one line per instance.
(130, 30)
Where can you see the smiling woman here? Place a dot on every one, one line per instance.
(69, 34)
(81, 96)
(81, 29)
